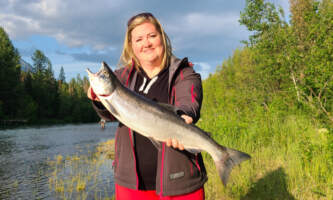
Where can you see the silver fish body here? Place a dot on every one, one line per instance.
(159, 122)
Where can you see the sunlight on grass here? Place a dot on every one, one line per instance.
(83, 176)
(290, 160)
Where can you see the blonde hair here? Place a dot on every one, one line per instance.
(127, 57)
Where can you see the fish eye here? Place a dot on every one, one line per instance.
(106, 74)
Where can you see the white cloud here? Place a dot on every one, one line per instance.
(102, 23)
(204, 69)
(205, 24)
(48, 8)
(15, 24)
(206, 32)
(211, 24)
(73, 23)
(202, 31)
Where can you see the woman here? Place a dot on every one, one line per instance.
(141, 169)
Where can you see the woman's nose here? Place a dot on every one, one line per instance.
(147, 42)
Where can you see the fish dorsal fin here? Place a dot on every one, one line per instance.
(169, 107)
(209, 134)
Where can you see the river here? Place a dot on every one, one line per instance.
(26, 154)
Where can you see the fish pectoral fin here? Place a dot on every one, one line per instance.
(194, 151)
(110, 108)
(156, 143)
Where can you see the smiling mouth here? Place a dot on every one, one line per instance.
(148, 50)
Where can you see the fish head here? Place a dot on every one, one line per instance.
(103, 82)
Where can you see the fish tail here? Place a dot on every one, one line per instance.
(227, 161)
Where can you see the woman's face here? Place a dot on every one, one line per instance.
(147, 44)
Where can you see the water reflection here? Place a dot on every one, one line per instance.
(6, 145)
(24, 156)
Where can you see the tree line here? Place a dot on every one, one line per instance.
(273, 99)
(35, 95)
(286, 62)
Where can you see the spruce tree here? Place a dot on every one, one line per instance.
(62, 77)
(9, 76)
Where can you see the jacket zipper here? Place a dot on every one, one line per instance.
(197, 163)
(115, 162)
(162, 169)
(133, 151)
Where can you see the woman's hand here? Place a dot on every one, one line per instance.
(175, 143)
(91, 94)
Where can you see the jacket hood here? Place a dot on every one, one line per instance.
(175, 63)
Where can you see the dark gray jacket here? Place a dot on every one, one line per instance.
(178, 172)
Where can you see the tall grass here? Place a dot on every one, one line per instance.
(291, 153)
(83, 177)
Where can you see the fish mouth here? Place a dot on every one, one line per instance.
(92, 75)
(104, 95)
(104, 67)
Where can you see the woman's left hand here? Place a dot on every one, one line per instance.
(175, 143)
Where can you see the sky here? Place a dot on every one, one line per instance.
(80, 34)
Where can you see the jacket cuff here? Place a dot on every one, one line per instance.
(181, 111)
(102, 112)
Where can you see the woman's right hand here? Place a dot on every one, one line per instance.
(91, 94)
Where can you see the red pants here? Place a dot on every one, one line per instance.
(123, 193)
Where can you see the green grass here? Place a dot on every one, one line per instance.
(79, 177)
(291, 156)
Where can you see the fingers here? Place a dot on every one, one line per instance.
(180, 147)
(169, 142)
(187, 119)
(175, 144)
(89, 93)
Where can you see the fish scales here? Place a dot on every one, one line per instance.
(145, 116)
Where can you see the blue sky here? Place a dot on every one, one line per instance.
(77, 34)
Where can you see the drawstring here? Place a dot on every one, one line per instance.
(143, 84)
(151, 82)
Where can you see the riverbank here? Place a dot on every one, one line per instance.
(25, 154)
(12, 123)
(23, 123)
(85, 179)
(106, 148)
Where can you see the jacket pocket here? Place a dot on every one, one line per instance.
(180, 167)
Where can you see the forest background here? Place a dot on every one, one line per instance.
(273, 98)
(33, 95)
